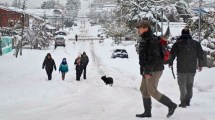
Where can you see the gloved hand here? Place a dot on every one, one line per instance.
(170, 65)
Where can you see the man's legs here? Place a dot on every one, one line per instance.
(152, 84)
(147, 104)
(189, 87)
(85, 67)
(182, 82)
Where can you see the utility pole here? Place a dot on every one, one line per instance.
(156, 25)
(23, 26)
(162, 21)
(62, 19)
(200, 5)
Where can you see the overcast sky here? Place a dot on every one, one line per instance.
(33, 3)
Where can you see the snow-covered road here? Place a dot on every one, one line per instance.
(26, 94)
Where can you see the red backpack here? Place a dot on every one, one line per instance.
(165, 54)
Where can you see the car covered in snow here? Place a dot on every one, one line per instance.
(119, 53)
(60, 33)
(60, 41)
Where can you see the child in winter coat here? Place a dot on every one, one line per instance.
(63, 68)
(78, 68)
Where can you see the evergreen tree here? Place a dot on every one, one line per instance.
(15, 4)
(48, 4)
(43, 5)
(72, 7)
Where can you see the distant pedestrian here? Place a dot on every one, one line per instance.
(189, 55)
(85, 61)
(78, 68)
(63, 68)
(49, 64)
(76, 37)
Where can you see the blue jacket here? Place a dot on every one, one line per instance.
(63, 68)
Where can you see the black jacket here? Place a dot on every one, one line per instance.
(84, 59)
(188, 52)
(150, 58)
(78, 67)
(49, 64)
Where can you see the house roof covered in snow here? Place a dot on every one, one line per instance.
(11, 9)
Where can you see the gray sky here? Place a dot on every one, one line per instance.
(33, 3)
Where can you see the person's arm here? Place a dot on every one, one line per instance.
(142, 56)
(75, 62)
(173, 54)
(87, 60)
(67, 68)
(44, 63)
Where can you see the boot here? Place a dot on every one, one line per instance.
(188, 102)
(147, 106)
(183, 104)
(172, 106)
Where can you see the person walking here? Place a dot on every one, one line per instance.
(49, 64)
(188, 52)
(85, 61)
(63, 68)
(151, 69)
(76, 37)
(78, 68)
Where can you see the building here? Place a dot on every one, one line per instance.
(9, 17)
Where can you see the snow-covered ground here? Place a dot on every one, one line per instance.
(26, 94)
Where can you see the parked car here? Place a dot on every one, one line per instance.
(92, 23)
(59, 41)
(60, 33)
(101, 32)
(121, 53)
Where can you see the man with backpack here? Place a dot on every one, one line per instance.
(188, 52)
(151, 69)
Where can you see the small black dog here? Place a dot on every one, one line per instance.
(107, 80)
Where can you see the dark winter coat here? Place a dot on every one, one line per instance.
(49, 64)
(78, 67)
(150, 58)
(84, 59)
(188, 52)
